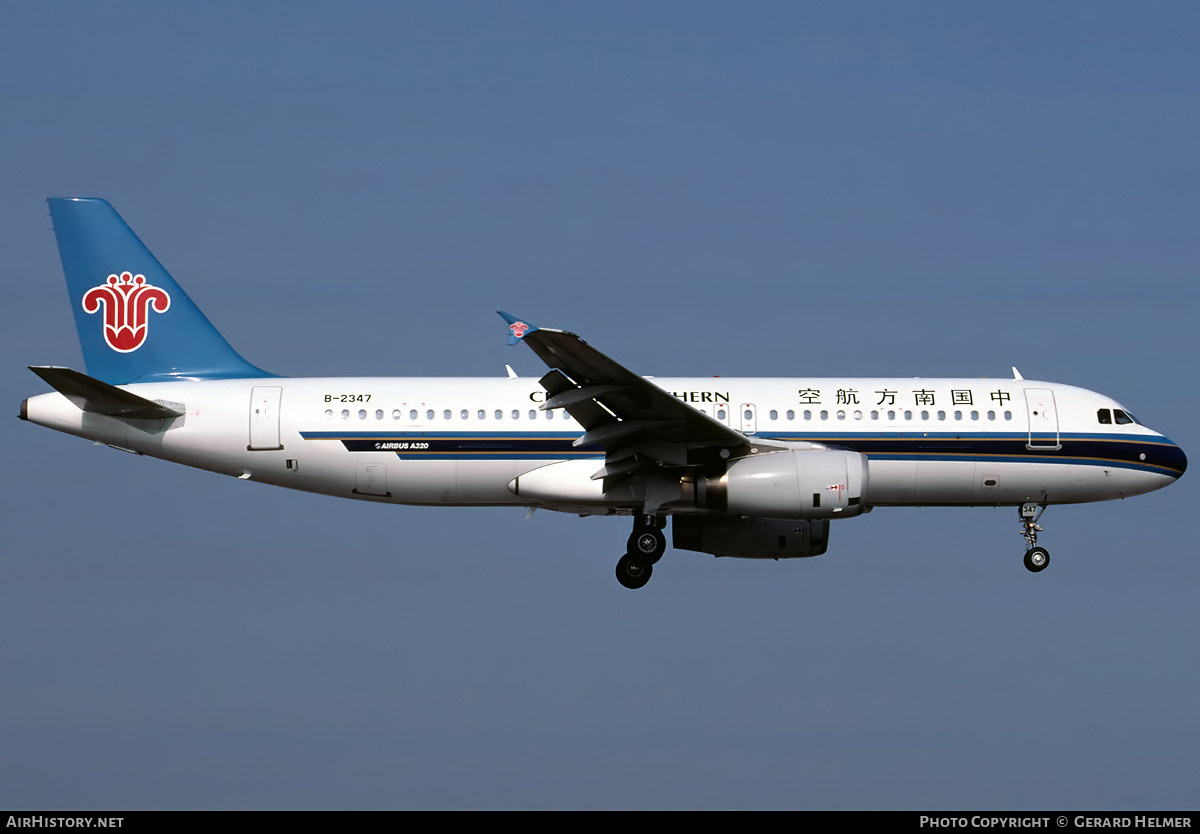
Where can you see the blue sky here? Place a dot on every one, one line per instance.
(921, 189)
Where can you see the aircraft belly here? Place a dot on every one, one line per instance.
(989, 483)
(944, 482)
(459, 482)
(891, 483)
(418, 481)
(209, 444)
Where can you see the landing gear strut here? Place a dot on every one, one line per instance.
(645, 547)
(1036, 558)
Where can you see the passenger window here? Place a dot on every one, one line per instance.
(533, 414)
(1104, 416)
(412, 414)
(482, 414)
(774, 414)
(499, 414)
(429, 414)
(396, 414)
(516, 414)
(464, 414)
(791, 415)
(379, 414)
(549, 415)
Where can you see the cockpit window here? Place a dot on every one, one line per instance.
(1104, 416)
(1122, 418)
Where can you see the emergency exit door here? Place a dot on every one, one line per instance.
(748, 418)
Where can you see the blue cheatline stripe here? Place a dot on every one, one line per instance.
(413, 432)
(1138, 452)
(1113, 463)
(867, 442)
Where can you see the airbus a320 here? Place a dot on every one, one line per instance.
(752, 468)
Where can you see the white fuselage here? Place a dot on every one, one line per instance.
(463, 441)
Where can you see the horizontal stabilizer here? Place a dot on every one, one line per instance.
(101, 398)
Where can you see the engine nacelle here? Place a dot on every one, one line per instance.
(569, 482)
(751, 538)
(796, 483)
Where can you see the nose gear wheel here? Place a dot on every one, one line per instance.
(1036, 558)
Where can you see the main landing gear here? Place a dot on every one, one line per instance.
(645, 547)
(1036, 558)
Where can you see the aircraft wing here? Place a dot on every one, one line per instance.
(635, 422)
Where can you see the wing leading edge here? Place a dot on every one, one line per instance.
(636, 423)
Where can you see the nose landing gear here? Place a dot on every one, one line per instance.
(645, 547)
(1036, 558)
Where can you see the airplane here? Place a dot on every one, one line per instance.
(751, 468)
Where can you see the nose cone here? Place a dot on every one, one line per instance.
(1172, 458)
(1180, 459)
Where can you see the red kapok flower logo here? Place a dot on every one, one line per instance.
(127, 300)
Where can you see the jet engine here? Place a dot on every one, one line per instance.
(793, 483)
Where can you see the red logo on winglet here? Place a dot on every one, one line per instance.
(519, 329)
(127, 300)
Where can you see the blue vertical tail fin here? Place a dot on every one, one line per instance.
(135, 323)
